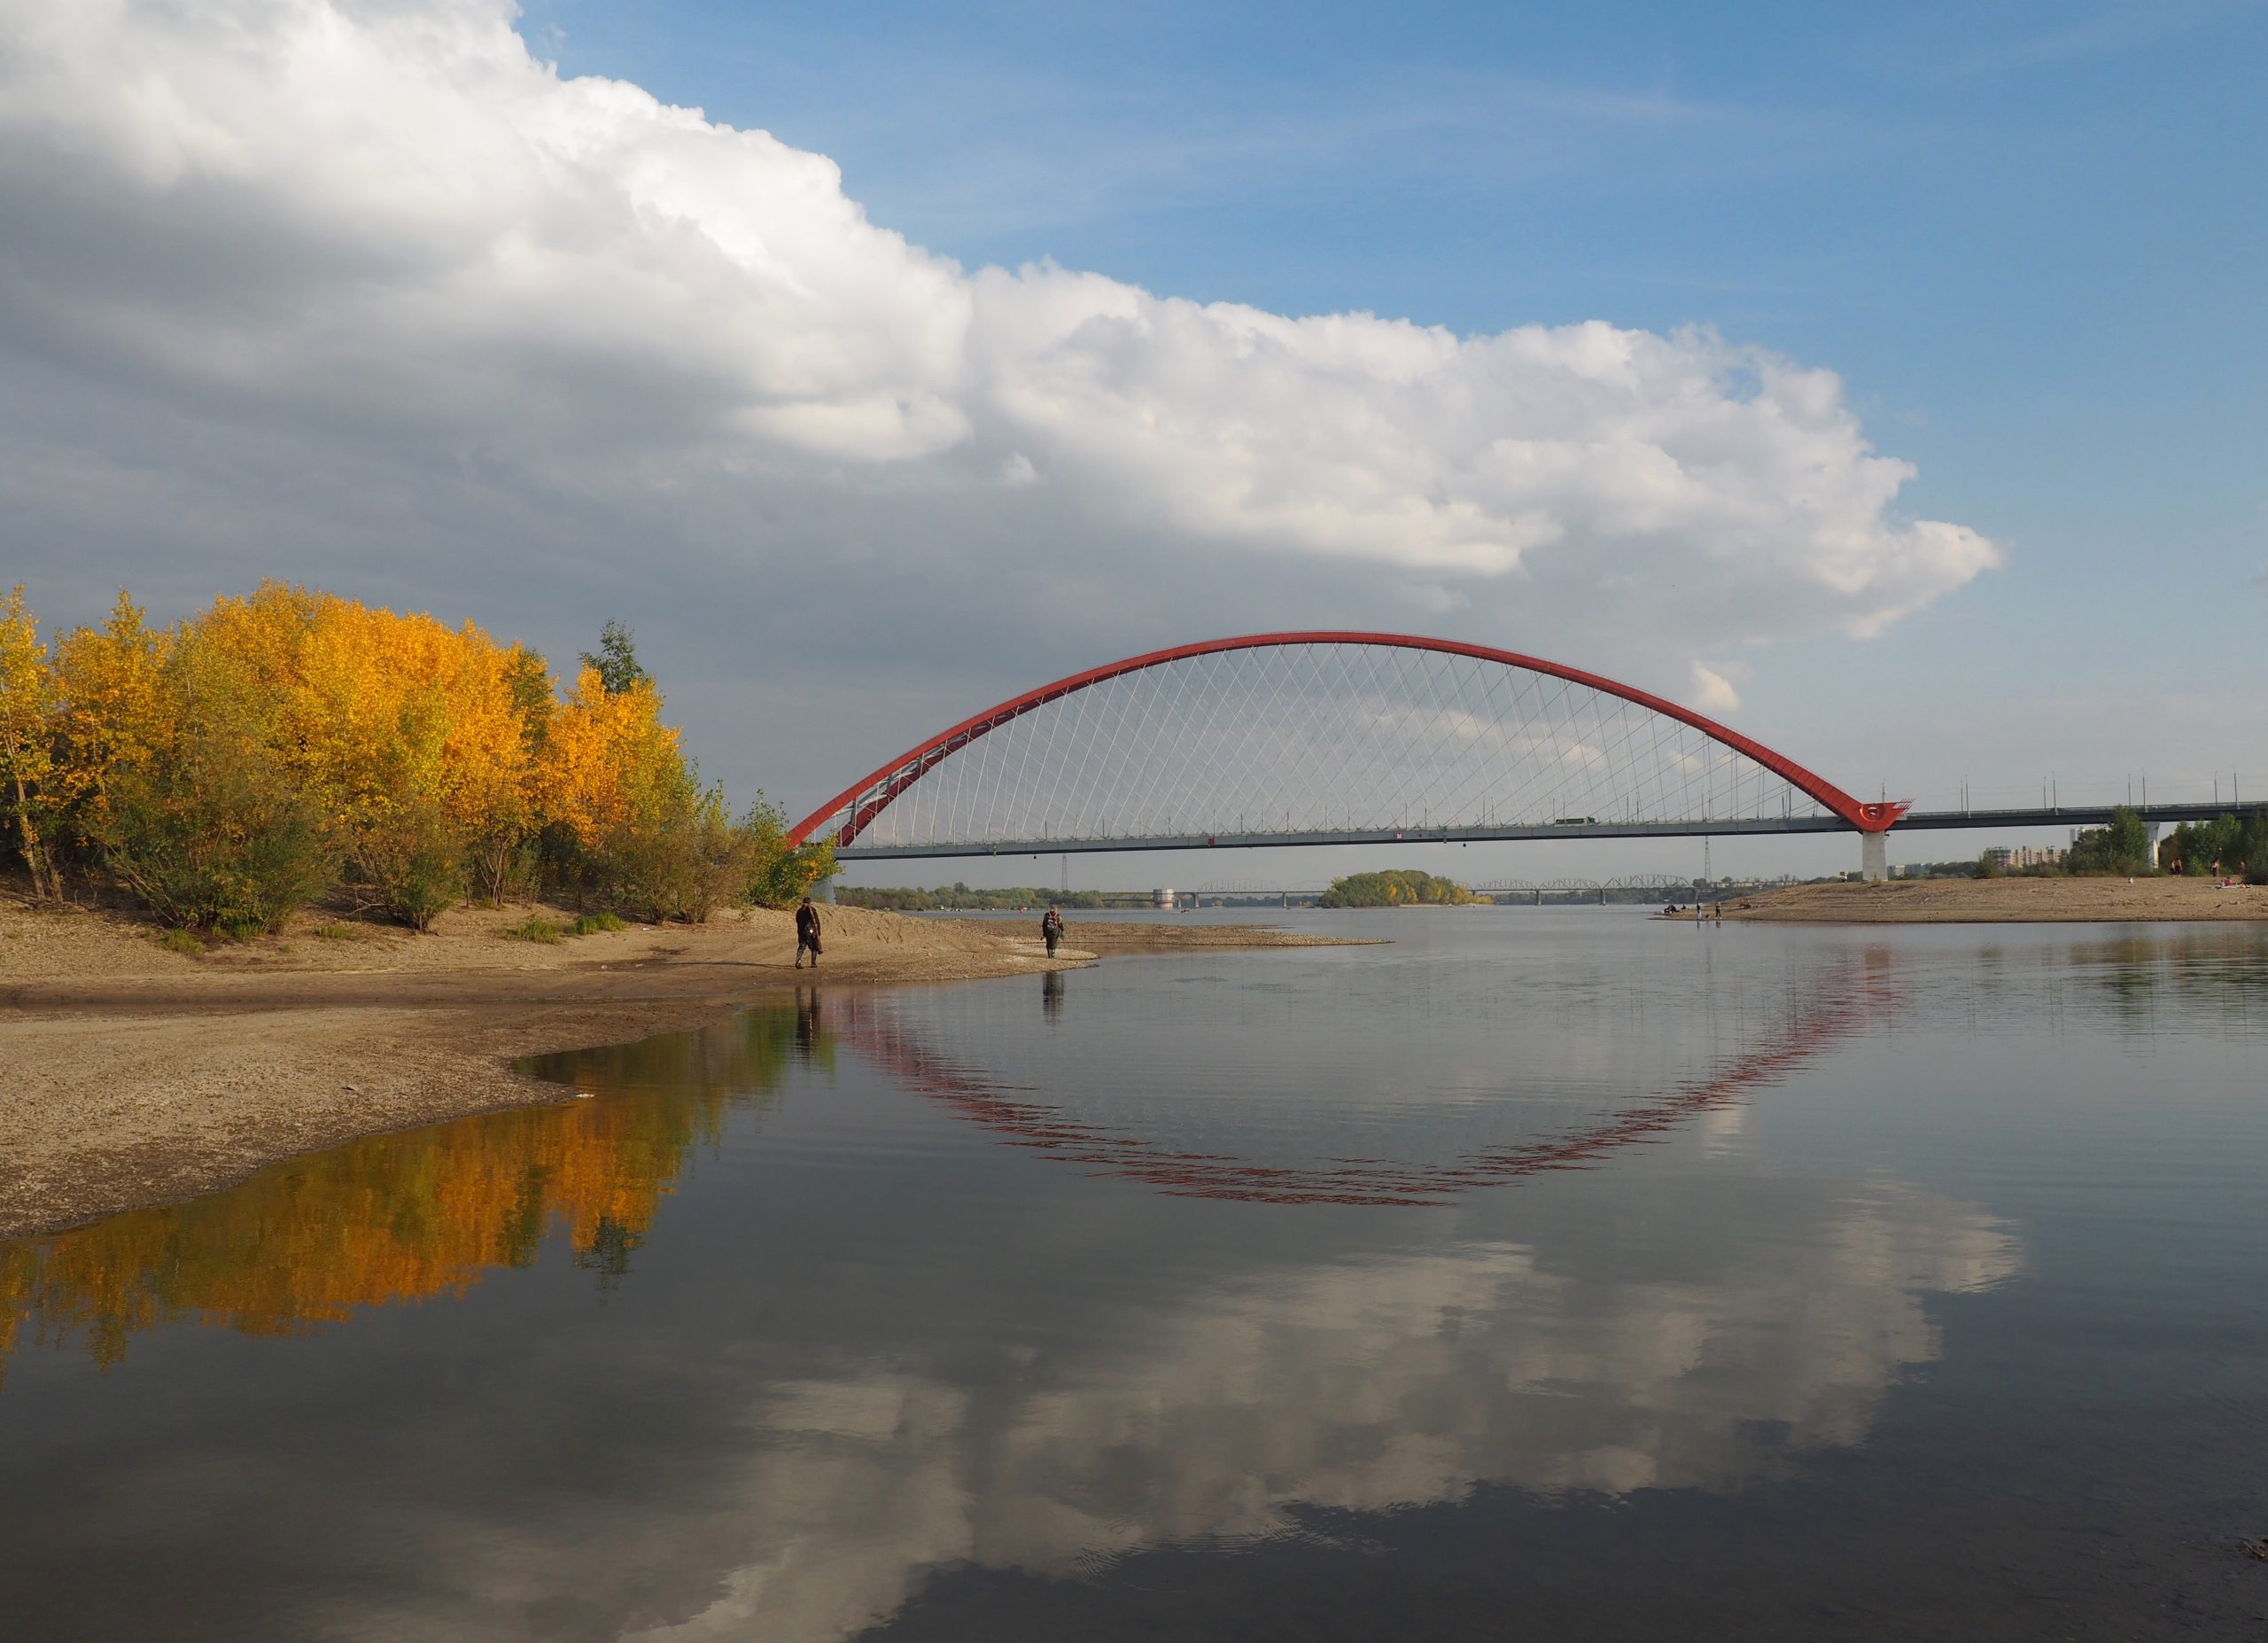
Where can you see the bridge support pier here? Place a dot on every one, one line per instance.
(1874, 857)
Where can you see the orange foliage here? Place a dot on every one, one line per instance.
(608, 758)
(381, 713)
(114, 716)
(233, 768)
(27, 746)
(404, 1217)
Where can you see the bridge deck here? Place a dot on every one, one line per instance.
(2063, 815)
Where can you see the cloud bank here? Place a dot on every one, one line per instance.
(386, 232)
(1364, 1386)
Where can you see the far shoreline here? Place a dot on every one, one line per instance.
(2015, 901)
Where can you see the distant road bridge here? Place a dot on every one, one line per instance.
(1269, 740)
(1218, 889)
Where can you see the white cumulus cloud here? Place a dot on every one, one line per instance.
(384, 236)
(1712, 691)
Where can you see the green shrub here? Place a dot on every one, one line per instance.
(180, 941)
(2121, 847)
(340, 932)
(2250, 846)
(216, 854)
(596, 923)
(780, 874)
(679, 856)
(503, 865)
(409, 865)
(538, 929)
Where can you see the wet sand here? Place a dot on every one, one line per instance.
(136, 1075)
(1998, 901)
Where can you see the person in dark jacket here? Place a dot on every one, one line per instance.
(806, 933)
(1050, 930)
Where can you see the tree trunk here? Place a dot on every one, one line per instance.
(44, 884)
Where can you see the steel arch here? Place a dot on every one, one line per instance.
(909, 766)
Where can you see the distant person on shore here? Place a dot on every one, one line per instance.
(806, 933)
(1051, 929)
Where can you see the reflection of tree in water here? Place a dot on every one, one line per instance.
(2211, 973)
(2136, 982)
(608, 1253)
(401, 1218)
(1847, 996)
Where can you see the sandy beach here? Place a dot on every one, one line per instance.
(137, 1075)
(1999, 901)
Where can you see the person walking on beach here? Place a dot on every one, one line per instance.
(806, 933)
(1051, 929)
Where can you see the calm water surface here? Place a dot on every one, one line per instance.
(1549, 1274)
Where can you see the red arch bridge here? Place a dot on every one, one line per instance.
(1350, 738)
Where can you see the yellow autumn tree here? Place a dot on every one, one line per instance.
(412, 736)
(616, 785)
(114, 716)
(290, 743)
(26, 736)
(608, 760)
(224, 832)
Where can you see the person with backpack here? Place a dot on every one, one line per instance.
(806, 933)
(1051, 929)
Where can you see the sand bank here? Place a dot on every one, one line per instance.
(132, 1075)
(1999, 901)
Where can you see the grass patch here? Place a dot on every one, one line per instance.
(182, 942)
(537, 930)
(596, 923)
(342, 932)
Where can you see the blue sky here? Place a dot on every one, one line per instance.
(2031, 236)
(2030, 239)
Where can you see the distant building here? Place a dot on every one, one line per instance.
(2021, 858)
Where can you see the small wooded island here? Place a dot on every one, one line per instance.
(1398, 887)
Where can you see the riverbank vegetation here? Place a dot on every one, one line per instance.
(2231, 846)
(292, 747)
(2228, 845)
(1397, 887)
(2121, 848)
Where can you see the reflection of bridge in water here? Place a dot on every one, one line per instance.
(1852, 996)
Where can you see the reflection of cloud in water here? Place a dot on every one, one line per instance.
(1364, 1384)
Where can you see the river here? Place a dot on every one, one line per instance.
(1548, 1274)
